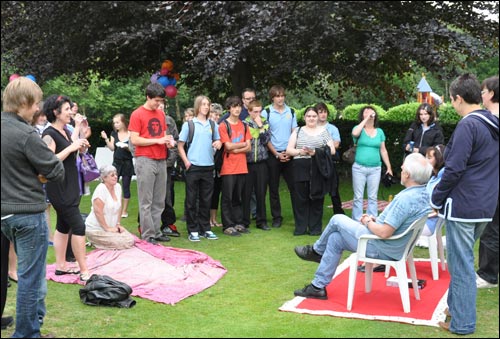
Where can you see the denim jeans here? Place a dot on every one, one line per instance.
(341, 233)
(29, 234)
(460, 238)
(365, 176)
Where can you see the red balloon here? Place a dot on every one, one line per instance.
(13, 77)
(171, 91)
(164, 71)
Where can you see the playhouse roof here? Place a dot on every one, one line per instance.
(423, 86)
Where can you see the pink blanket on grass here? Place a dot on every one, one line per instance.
(155, 272)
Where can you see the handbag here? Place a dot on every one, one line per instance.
(106, 291)
(88, 167)
(349, 155)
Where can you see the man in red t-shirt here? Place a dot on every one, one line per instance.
(148, 134)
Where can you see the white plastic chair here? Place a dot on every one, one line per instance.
(435, 247)
(435, 244)
(414, 230)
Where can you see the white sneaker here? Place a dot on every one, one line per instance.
(481, 283)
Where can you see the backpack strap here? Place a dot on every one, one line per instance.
(268, 111)
(190, 133)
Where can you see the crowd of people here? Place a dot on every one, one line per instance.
(236, 158)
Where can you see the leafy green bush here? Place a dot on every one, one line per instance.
(403, 113)
(351, 112)
(448, 115)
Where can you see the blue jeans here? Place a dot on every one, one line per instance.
(341, 233)
(460, 238)
(29, 234)
(365, 176)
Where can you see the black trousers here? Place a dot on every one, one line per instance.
(256, 181)
(168, 216)
(275, 169)
(309, 213)
(488, 251)
(231, 200)
(199, 187)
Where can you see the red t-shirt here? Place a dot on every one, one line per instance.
(151, 125)
(234, 163)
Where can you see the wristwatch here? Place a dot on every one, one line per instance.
(277, 156)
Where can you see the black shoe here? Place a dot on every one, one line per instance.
(310, 291)
(162, 238)
(7, 322)
(152, 241)
(169, 232)
(379, 268)
(307, 253)
(276, 224)
(264, 227)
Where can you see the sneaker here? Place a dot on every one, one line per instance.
(232, 232)
(194, 237)
(210, 235)
(162, 238)
(241, 229)
(125, 215)
(152, 241)
(311, 291)
(170, 231)
(481, 283)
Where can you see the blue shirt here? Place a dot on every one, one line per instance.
(334, 131)
(200, 152)
(410, 204)
(281, 126)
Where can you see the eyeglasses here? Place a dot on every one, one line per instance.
(484, 91)
(249, 99)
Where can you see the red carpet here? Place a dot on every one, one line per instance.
(383, 302)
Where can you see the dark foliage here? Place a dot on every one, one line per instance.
(220, 47)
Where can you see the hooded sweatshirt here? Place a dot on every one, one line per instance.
(468, 190)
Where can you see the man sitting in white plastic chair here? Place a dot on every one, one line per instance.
(342, 233)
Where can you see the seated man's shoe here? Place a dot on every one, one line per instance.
(379, 268)
(310, 291)
(7, 322)
(307, 253)
(264, 227)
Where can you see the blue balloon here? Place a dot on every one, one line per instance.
(31, 77)
(163, 80)
(173, 81)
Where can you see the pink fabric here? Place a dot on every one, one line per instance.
(155, 272)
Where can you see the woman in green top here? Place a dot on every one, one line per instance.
(367, 167)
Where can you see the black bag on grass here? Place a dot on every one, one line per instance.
(106, 291)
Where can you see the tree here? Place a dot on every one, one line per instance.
(221, 47)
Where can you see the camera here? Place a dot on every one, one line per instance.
(389, 180)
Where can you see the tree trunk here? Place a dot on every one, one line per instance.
(241, 76)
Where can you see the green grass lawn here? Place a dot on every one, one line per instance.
(262, 273)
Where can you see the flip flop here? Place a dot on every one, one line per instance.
(12, 279)
(70, 271)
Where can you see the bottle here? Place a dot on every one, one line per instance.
(412, 144)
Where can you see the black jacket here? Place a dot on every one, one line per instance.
(323, 174)
(106, 291)
(423, 140)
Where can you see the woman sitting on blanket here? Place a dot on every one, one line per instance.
(103, 227)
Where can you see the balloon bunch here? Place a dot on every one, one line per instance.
(167, 78)
(15, 76)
